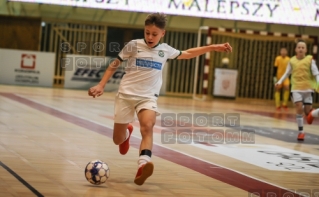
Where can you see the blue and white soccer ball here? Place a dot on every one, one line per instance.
(97, 172)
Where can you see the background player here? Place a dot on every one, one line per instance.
(280, 66)
(304, 74)
(140, 86)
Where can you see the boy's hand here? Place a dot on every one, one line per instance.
(96, 91)
(223, 47)
(277, 85)
(275, 80)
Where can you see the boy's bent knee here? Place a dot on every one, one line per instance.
(147, 126)
(116, 141)
(147, 129)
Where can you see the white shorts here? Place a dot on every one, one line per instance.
(127, 105)
(305, 97)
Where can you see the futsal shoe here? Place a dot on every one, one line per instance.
(143, 173)
(301, 136)
(278, 108)
(125, 146)
(285, 107)
(310, 117)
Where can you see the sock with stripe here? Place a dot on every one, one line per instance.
(127, 134)
(299, 119)
(145, 157)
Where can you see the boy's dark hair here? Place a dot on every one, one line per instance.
(157, 19)
(300, 40)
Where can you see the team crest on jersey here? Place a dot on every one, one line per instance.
(161, 53)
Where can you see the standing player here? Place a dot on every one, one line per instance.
(140, 86)
(280, 66)
(304, 74)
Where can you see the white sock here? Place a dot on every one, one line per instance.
(315, 113)
(127, 134)
(143, 159)
(299, 119)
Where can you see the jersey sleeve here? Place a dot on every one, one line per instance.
(172, 52)
(314, 68)
(287, 73)
(128, 51)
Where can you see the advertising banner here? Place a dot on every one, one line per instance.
(225, 82)
(291, 12)
(83, 72)
(30, 68)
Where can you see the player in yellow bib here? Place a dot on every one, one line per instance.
(304, 80)
(280, 66)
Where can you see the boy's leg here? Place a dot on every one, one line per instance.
(299, 118)
(147, 120)
(121, 136)
(123, 114)
(298, 100)
(309, 111)
(314, 113)
(286, 94)
(277, 97)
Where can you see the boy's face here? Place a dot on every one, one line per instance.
(153, 35)
(283, 52)
(301, 49)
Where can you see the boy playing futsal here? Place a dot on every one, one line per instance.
(280, 66)
(304, 79)
(140, 86)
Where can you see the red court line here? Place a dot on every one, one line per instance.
(211, 170)
(278, 115)
(62, 96)
(164, 104)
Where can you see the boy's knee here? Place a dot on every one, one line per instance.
(148, 126)
(117, 141)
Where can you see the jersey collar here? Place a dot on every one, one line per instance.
(153, 46)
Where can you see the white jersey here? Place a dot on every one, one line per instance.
(143, 68)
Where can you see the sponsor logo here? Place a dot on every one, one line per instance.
(28, 61)
(27, 70)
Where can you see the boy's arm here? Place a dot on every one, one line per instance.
(194, 52)
(109, 72)
(287, 73)
(315, 72)
(97, 90)
(275, 74)
(275, 70)
(128, 50)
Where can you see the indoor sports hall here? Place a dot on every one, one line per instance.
(219, 132)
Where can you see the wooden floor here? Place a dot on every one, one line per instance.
(47, 136)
